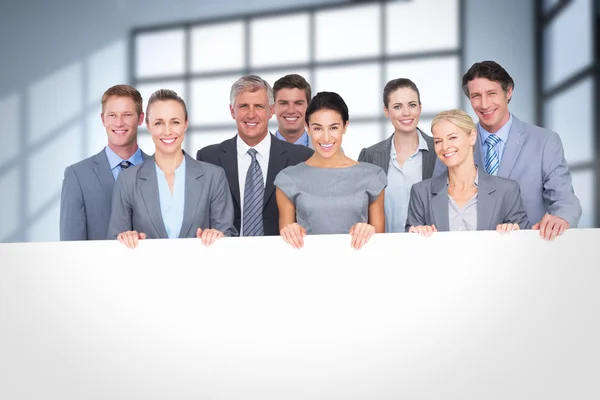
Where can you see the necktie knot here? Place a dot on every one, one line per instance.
(125, 164)
(252, 153)
(492, 140)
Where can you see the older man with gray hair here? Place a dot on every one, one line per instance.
(253, 157)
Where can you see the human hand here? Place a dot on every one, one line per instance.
(361, 233)
(293, 234)
(551, 226)
(131, 238)
(208, 236)
(505, 228)
(423, 230)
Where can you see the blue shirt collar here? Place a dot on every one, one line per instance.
(114, 160)
(502, 132)
(303, 139)
(422, 145)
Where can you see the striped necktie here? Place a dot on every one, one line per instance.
(254, 192)
(492, 161)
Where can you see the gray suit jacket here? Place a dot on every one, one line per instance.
(85, 199)
(379, 154)
(498, 202)
(534, 157)
(136, 204)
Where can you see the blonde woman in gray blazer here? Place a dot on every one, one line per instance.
(171, 195)
(463, 198)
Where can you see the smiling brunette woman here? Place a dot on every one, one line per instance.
(463, 198)
(170, 195)
(330, 193)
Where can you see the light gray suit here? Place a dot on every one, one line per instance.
(498, 202)
(85, 199)
(379, 154)
(534, 157)
(136, 204)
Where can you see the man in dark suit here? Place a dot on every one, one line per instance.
(253, 158)
(86, 196)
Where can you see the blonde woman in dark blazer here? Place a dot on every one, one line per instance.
(407, 156)
(463, 198)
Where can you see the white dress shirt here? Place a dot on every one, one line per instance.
(262, 149)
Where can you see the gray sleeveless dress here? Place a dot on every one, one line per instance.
(331, 200)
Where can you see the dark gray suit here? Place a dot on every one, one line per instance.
(86, 197)
(379, 154)
(136, 204)
(498, 202)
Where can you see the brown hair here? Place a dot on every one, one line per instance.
(396, 84)
(123, 91)
(293, 81)
(490, 70)
(166, 95)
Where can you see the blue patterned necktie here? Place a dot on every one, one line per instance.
(254, 193)
(125, 164)
(492, 161)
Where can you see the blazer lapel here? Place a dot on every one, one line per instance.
(513, 148)
(229, 162)
(428, 157)
(277, 162)
(193, 189)
(439, 202)
(103, 172)
(486, 201)
(477, 153)
(383, 155)
(149, 189)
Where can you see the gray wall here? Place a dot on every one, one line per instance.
(59, 56)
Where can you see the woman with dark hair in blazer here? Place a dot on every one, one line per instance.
(171, 195)
(463, 198)
(407, 156)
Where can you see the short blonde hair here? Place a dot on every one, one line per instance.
(123, 91)
(457, 117)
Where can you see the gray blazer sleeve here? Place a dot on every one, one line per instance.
(361, 156)
(121, 210)
(516, 213)
(558, 188)
(221, 206)
(416, 208)
(73, 222)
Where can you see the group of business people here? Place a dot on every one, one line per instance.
(499, 174)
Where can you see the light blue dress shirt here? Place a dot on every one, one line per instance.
(400, 181)
(114, 160)
(502, 134)
(303, 139)
(171, 206)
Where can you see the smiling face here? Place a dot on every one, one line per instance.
(490, 103)
(452, 145)
(326, 128)
(251, 112)
(403, 110)
(121, 121)
(290, 108)
(167, 124)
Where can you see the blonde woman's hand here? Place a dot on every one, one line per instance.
(505, 228)
(131, 238)
(293, 234)
(361, 233)
(208, 236)
(423, 230)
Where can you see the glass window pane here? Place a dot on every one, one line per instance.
(160, 53)
(145, 143)
(147, 89)
(425, 125)
(280, 40)
(359, 86)
(210, 101)
(576, 104)
(360, 135)
(549, 4)
(10, 115)
(208, 43)
(10, 202)
(348, 33)
(438, 81)
(583, 185)
(200, 139)
(45, 227)
(568, 43)
(407, 32)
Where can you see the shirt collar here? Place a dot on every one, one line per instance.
(502, 132)
(303, 139)
(422, 145)
(262, 148)
(114, 159)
